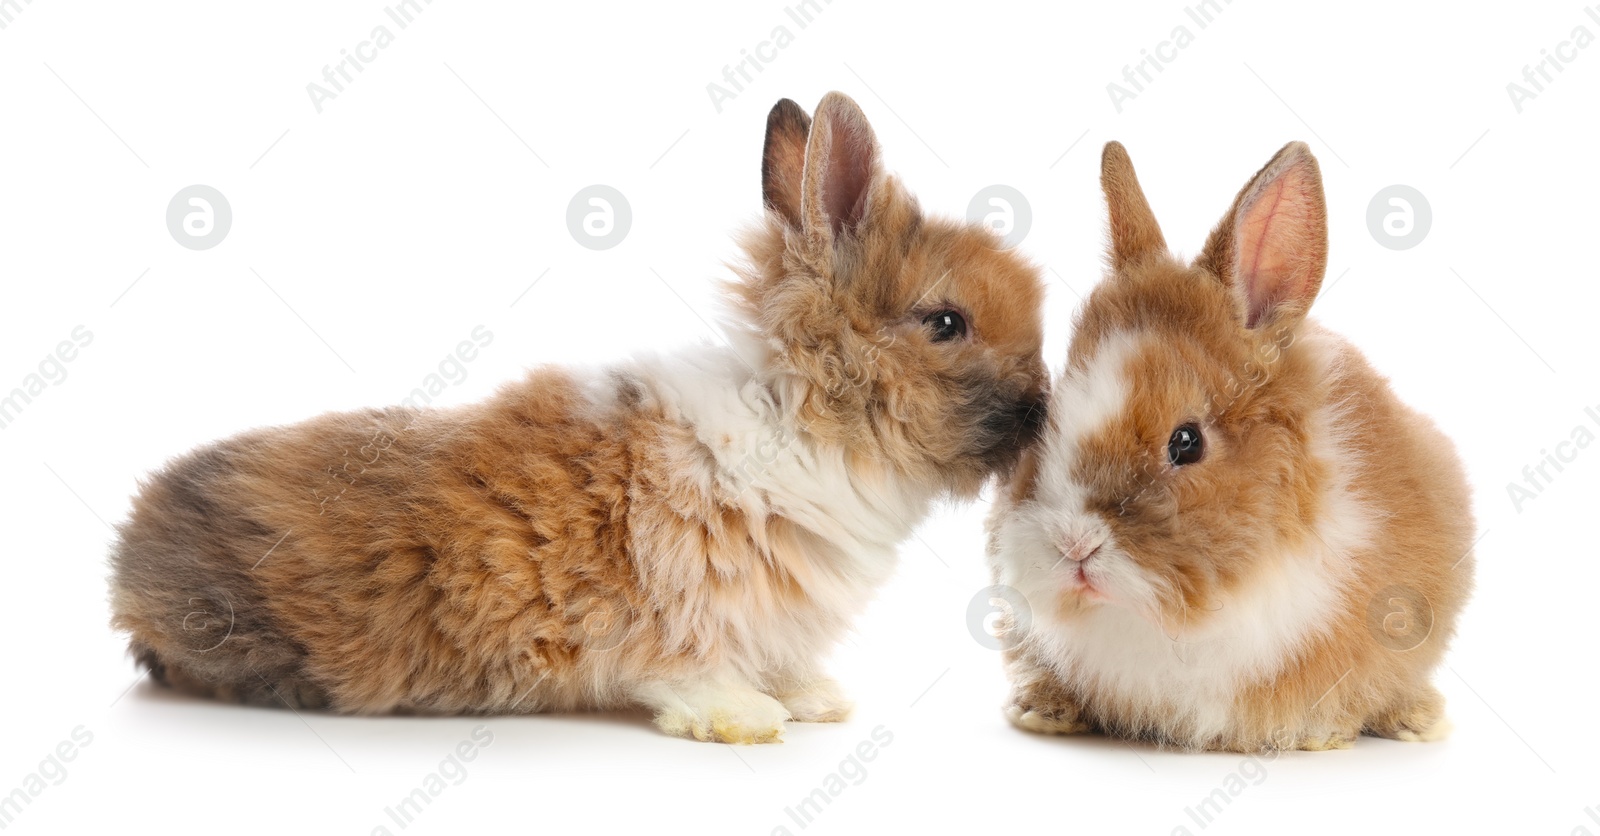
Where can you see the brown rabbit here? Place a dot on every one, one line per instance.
(1232, 534)
(689, 532)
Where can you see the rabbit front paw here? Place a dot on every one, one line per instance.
(717, 712)
(819, 700)
(1044, 707)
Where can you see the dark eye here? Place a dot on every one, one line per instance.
(1185, 446)
(947, 325)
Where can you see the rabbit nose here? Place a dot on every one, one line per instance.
(1080, 548)
(1078, 538)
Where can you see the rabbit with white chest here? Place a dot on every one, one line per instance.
(685, 532)
(1232, 534)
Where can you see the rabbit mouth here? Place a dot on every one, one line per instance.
(1083, 582)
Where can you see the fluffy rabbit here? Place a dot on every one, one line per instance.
(1232, 535)
(689, 532)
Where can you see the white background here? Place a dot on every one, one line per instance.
(371, 238)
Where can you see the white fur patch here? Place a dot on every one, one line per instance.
(1033, 541)
(848, 519)
(1084, 400)
(770, 464)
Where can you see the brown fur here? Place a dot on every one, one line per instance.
(1231, 351)
(574, 543)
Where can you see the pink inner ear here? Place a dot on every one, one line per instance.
(844, 190)
(1281, 236)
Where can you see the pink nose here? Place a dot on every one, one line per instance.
(1081, 550)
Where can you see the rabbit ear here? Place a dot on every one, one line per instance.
(1272, 246)
(783, 160)
(1134, 231)
(840, 170)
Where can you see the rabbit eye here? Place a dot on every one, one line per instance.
(1186, 446)
(946, 325)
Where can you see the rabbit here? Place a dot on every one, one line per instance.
(686, 533)
(1232, 535)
